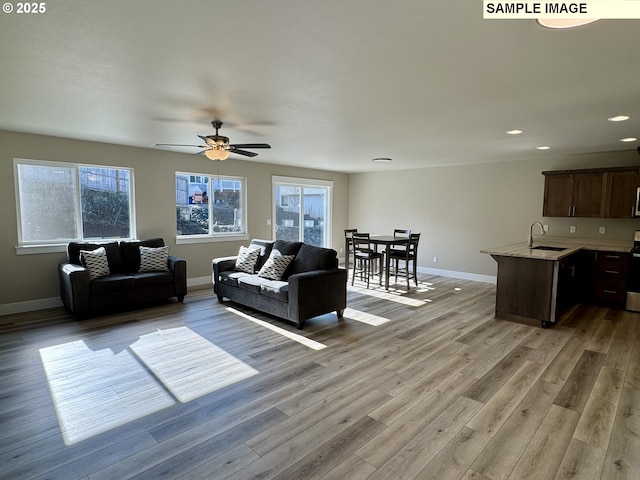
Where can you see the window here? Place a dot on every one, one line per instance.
(209, 206)
(302, 210)
(62, 202)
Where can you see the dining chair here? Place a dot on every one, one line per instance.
(410, 257)
(348, 239)
(365, 257)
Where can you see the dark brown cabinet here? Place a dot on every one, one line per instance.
(595, 193)
(608, 275)
(622, 186)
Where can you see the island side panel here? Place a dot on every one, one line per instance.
(525, 288)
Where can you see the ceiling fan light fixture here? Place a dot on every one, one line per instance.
(217, 153)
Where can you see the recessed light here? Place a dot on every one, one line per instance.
(381, 160)
(543, 147)
(514, 132)
(619, 118)
(628, 139)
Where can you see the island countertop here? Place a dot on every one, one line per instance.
(572, 245)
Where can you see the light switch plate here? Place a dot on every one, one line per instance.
(572, 229)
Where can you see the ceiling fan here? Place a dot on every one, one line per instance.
(217, 147)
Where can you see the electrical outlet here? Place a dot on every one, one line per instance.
(268, 221)
(435, 259)
(602, 230)
(341, 250)
(572, 229)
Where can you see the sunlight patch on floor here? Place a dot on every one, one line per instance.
(96, 391)
(93, 392)
(397, 296)
(364, 317)
(189, 365)
(307, 342)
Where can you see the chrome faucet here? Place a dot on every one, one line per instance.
(530, 241)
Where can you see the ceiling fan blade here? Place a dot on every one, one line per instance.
(246, 153)
(201, 152)
(251, 145)
(169, 145)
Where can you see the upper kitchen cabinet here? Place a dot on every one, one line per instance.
(622, 186)
(602, 192)
(574, 194)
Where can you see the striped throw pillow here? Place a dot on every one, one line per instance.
(96, 262)
(247, 259)
(276, 264)
(154, 259)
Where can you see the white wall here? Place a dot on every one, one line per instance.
(462, 209)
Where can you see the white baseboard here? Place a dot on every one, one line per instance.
(198, 281)
(476, 277)
(30, 305)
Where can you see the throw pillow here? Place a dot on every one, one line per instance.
(276, 264)
(96, 262)
(247, 259)
(154, 259)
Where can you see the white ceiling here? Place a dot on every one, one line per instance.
(329, 84)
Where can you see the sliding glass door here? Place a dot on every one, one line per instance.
(302, 210)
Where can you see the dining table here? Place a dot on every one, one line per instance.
(387, 241)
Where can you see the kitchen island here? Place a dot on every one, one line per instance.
(541, 283)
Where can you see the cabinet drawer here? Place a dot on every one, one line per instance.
(611, 292)
(612, 263)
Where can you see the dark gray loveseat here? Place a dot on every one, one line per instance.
(125, 285)
(312, 285)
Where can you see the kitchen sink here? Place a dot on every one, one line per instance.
(547, 247)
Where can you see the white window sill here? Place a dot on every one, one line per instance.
(36, 249)
(187, 239)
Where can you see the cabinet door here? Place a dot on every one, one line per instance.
(588, 195)
(621, 193)
(558, 195)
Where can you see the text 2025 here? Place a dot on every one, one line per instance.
(31, 7)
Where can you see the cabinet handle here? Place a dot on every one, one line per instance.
(611, 271)
(610, 291)
(569, 212)
(612, 256)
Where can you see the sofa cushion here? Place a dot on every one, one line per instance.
(265, 250)
(247, 259)
(276, 265)
(251, 283)
(151, 279)
(130, 252)
(154, 259)
(231, 278)
(96, 262)
(112, 248)
(314, 258)
(112, 283)
(287, 248)
(276, 289)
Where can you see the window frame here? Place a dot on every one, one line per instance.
(212, 236)
(277, 180)
(44, 246)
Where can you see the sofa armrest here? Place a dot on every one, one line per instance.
(317, 292)
(219, 265)
(74, 287)
(179, 268)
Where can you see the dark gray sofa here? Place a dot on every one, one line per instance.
(126, 286)
(312, 285)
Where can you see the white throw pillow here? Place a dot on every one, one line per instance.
(96, 262)
(276, 264)
(247, 259)
(154, 259)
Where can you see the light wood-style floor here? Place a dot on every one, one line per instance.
(434, 388)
